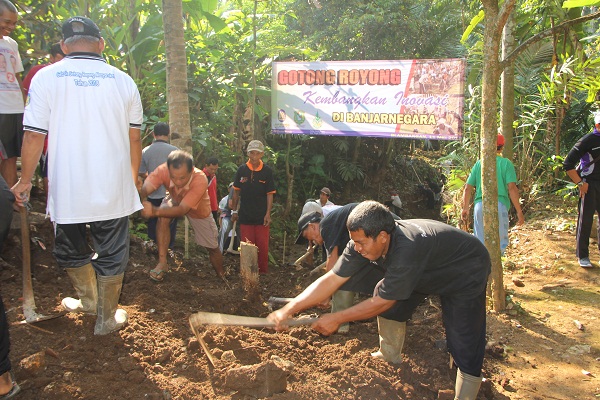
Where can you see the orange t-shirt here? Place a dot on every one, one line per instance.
(193, 194)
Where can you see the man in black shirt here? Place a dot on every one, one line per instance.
(586, 154)
(402, 262)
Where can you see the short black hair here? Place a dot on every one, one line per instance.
(162, 129)
(212, 161)
(55, 50)
(372, 217)
(177, 158)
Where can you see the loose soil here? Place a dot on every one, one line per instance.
(547, 346)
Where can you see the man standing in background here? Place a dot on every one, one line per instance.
(94, 114)
(153, 156)
(507, 192)
(11, 95)
(253, 182)
(210, 170)
(581, 165)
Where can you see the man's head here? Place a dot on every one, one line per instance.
(181, 167)
(442, 123)
(81, 34)
(255, 150)
(8, 17)
(308, 228)
(56, 53)
(597, 119)
(500, 142)
(324, 195)
(370, 225)
(161, 130)
(212, 165)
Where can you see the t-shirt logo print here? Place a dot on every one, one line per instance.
(243, 179)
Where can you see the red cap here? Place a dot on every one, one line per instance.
(500, 140)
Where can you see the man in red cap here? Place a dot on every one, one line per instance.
(507, 192)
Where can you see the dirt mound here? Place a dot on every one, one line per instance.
(157, 356)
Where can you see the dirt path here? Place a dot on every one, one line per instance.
(538, 353)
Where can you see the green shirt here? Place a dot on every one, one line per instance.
(505, 172)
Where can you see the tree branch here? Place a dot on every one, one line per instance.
(536, 38)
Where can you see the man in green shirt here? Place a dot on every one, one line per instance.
(507, 192)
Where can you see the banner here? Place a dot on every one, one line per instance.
(417, 99)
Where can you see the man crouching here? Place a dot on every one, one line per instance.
(402, 262)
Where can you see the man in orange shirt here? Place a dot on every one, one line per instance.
(187, 196)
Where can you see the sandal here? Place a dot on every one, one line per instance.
(156, 276)
(14, 391)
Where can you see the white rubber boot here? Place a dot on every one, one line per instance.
(84, 282)
(340, 301)
(467, 386)
(110, 318)
(391, 340)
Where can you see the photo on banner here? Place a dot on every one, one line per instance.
(416, 99)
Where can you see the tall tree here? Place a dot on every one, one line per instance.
(177, 84)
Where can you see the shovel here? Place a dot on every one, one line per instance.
(207, 318)
(29, 308)
(201, 319)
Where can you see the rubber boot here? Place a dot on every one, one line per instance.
(391, 340)
(84, 282)
(467, 386)
(340, 301)
(110, 318)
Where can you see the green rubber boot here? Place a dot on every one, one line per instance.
(110, 318)
(391, 340)
(340, 301)
(467, 386)
(84, 282)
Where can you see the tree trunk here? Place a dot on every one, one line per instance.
(177, 87)
(489, 129)
(508, 87)
(289, 173)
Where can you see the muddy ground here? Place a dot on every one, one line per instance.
(548, 347)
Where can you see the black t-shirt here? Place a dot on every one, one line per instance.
(427, 257)
(254, 187)
(333, 228)
(588, 149)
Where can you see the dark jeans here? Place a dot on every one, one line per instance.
(6, 210)
(589, 205)
(111, 246)
(4, 341)
(152, 224)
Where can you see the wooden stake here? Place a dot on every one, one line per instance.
(249, 266)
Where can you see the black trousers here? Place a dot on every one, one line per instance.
(6, 210)
(463, 317)
(589, 205)
(110, 240)
(152, 224)
(4, 341)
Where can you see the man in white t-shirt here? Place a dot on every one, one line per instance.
(94, 112)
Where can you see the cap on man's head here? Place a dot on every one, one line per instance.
(80, 26)
(303, 222)
(326, 191)
(597, 117)
(500, 141)
(255, 145)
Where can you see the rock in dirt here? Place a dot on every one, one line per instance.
(33, 364)
(445, 394)
(258, 380)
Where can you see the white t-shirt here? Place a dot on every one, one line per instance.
(11, 96)
(87, 107)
